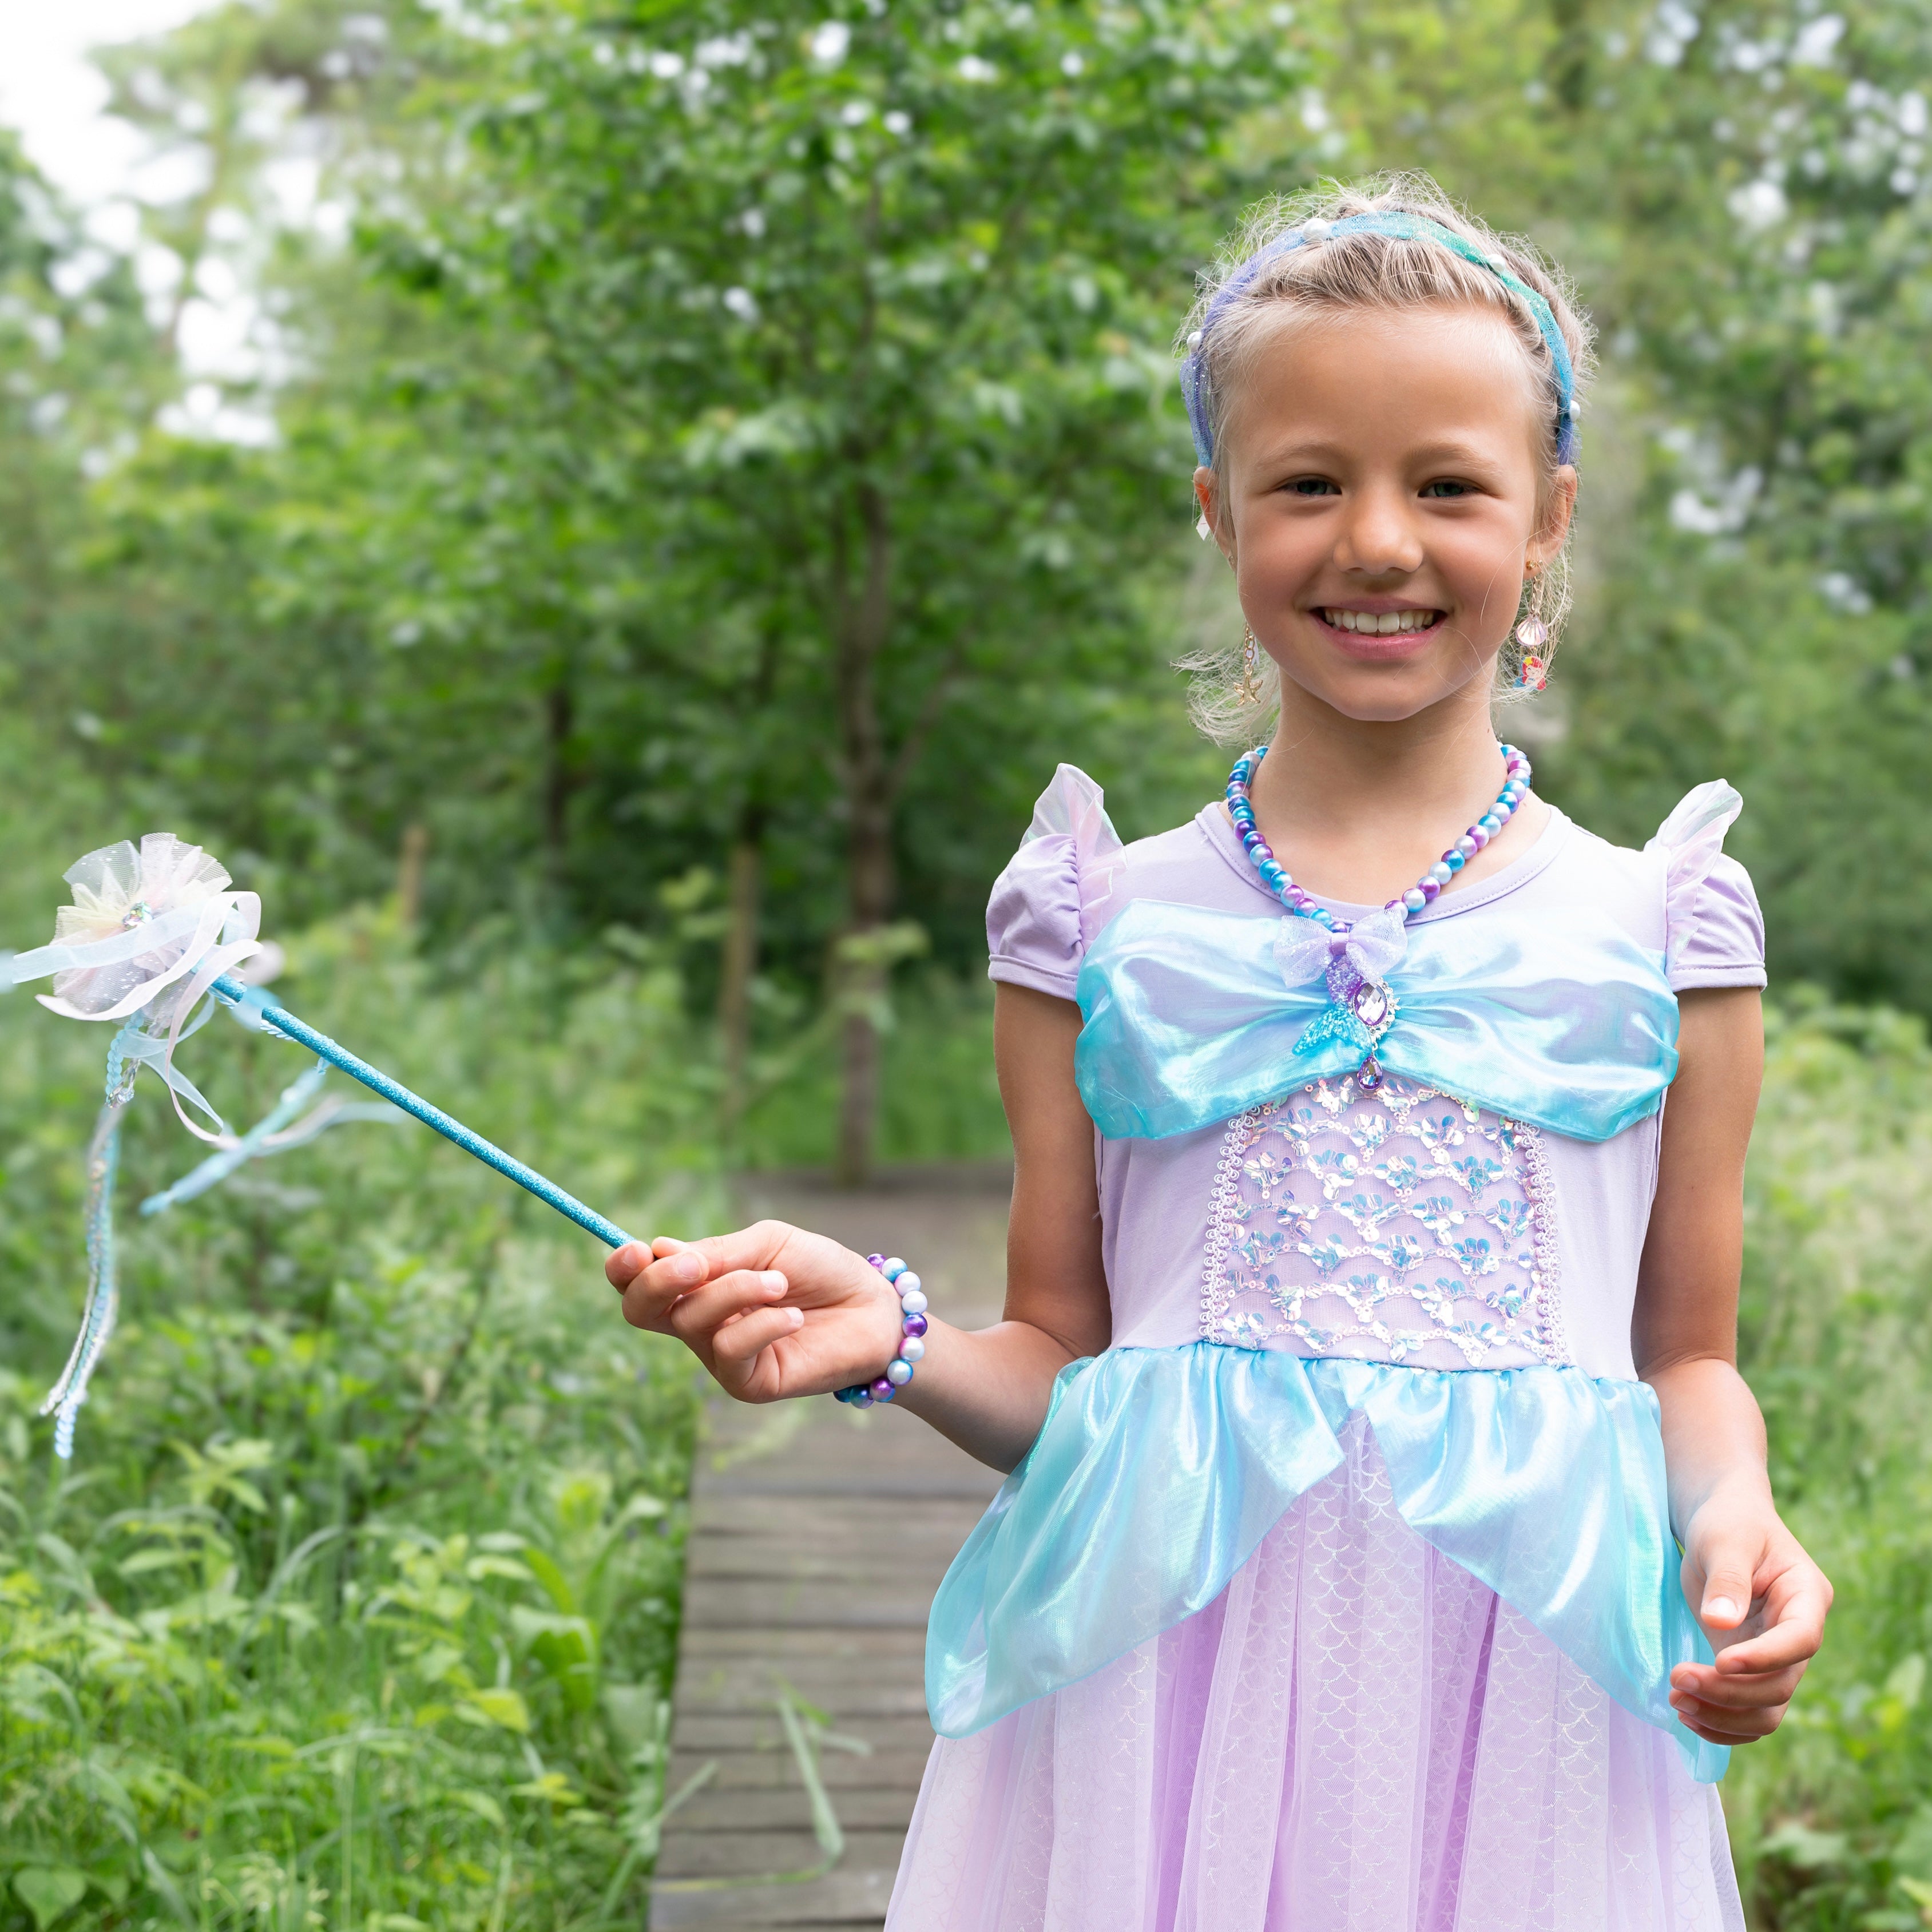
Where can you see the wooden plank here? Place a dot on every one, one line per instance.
(818, 1535)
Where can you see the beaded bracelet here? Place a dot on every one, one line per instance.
(912, 1344)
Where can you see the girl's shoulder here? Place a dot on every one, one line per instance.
(1072, 874)
(1680, 895)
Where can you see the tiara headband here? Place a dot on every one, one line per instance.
(1398, 227)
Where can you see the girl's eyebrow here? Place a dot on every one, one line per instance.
(1321, 449)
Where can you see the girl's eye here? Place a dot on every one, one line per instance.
(1446, 486)
(1313, 486)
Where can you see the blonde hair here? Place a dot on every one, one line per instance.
(1256, 285)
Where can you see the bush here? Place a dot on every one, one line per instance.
(1831, 1819)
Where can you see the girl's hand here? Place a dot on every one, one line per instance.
(771, 1311)
(1762, 1601)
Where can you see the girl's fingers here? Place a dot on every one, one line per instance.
(624, 1264)
(737, 1345)
(1730, 1729)
(1736, 1693)
(1793, 1637)
(695, 1318)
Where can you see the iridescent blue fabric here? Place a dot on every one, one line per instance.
(1158, 1472)
(1192, 1015)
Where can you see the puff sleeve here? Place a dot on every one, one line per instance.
(1714, 932)
(1048, 903)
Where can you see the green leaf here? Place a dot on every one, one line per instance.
(1808, 1849)
(49, 1891)
(504, 1707)
(554, 1582)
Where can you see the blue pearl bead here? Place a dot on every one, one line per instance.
(1454, 860)
(899, 1374)
(1441, 873)
(893, 1268)
(1414, 898)
(908, 1283)
(914, 1303)
(1490, 823)
(912, 1349)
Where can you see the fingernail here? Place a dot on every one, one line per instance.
(687, 1267)
(774, 1281)
(1722, 1608)
(797, 1316)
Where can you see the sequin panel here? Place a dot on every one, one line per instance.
(1402, 1226)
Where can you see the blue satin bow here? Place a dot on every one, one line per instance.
(1193, 1015)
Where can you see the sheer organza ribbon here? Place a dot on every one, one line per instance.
(1159, 1470)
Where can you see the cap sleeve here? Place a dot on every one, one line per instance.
(1714, 932)
(1047, 904)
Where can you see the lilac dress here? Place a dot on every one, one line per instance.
(1339, 1591)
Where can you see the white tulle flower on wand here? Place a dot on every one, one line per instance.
(153, 939)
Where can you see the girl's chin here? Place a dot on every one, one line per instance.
(1390, 686)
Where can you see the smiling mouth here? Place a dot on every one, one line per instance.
(1380, 623)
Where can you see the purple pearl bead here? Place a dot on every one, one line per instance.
(1480, 837)
(1429, 890)
(916, 1324)
(881, 1390)
(876, 1261)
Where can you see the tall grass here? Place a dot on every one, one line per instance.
(357, 1607)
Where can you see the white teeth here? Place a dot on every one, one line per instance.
(1385, 624)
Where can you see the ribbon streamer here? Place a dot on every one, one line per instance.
(150, 936)
(273, 1134)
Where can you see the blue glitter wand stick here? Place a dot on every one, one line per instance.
(232, 992)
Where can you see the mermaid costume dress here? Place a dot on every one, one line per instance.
(1340, 1594)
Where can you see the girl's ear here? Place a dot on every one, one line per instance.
(1556, 514)
(1218, 525)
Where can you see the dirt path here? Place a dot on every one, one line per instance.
(818, 1535)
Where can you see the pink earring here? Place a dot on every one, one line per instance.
(1532, 671)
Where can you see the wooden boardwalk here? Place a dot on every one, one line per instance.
(818, 1535)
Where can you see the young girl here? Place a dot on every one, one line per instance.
(1368, 1351)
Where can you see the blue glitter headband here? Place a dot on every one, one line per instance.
(1401, 228)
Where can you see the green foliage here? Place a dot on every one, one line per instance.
(357, 1606)
(1831, 1819)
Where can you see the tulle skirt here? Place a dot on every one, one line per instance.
(1356, 1736)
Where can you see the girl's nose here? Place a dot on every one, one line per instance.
(1378, 536)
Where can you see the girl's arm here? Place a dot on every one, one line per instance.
(773, 1311)
(1761, 1600)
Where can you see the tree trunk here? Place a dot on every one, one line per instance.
(741, 958)
(744, 879)
(409, 875)
(860, 976)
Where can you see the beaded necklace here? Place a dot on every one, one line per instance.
(1424, 892)
(1356, 959)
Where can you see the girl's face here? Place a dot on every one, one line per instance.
(1381, 508)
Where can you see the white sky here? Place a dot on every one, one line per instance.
(51, 94)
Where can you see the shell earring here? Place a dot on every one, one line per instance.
(1532, 637)
(1251, 666)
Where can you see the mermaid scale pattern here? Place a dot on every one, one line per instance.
(1356, 1735)
(1399, 1225)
